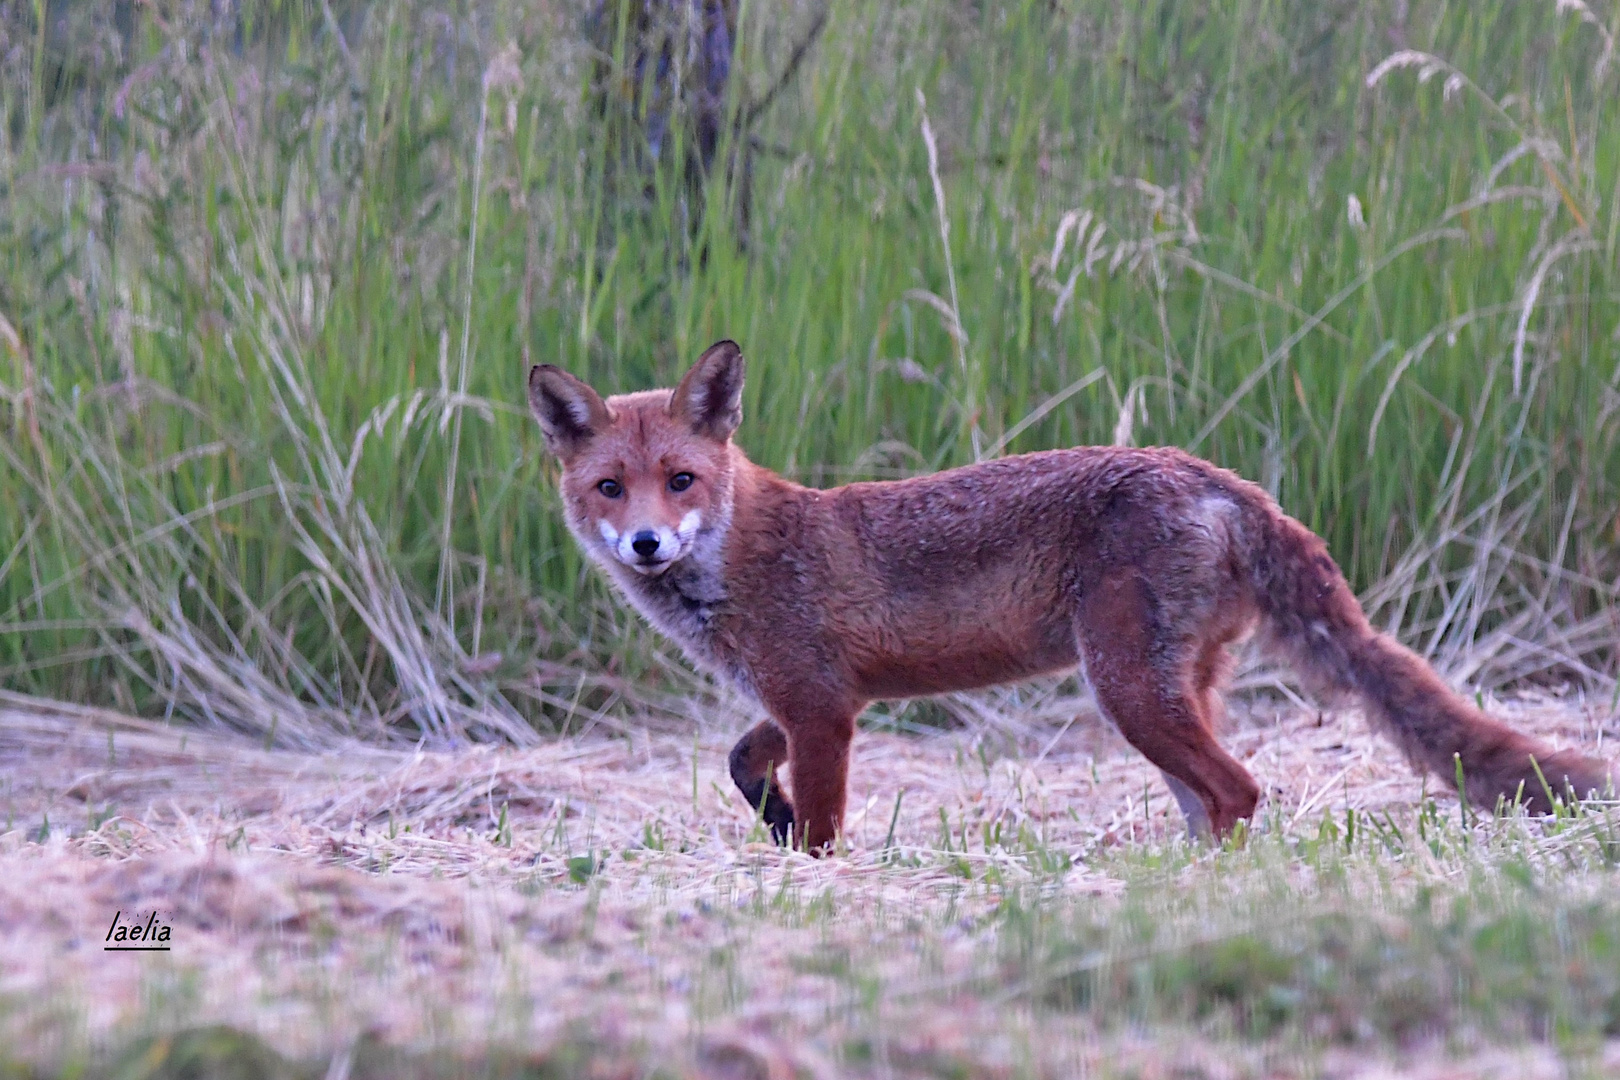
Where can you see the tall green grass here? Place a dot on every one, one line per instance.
(271, 286)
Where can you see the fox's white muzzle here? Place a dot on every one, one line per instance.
(651, 549)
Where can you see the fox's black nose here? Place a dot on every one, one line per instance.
(645, 543)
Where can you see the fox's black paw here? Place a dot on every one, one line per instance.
(778, 812)
(779, 816)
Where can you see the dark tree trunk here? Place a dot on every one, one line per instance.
(660, 80)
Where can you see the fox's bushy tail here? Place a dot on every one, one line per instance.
(1316, 620)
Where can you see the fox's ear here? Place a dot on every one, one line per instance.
(569, 411)
(710, 396)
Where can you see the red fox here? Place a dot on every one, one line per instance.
(1138, 565)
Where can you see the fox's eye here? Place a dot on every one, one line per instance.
(681, 481)
(611, 488)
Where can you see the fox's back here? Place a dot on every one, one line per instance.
(970, 576)
(1055, 509)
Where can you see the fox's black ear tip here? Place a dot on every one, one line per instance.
(724, 349)
(548, 378)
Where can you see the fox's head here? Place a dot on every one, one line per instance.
(645, 475)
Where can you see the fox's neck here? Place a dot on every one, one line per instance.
(693, 587)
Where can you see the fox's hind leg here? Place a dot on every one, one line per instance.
(1151, 693)
(1208, 673)
(754, 761)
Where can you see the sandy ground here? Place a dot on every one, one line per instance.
(603, 886)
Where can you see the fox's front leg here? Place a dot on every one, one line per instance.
(754, 761)
(818, 747)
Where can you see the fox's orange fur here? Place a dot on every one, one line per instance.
(1142, 565)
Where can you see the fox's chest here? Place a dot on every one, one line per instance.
(686, 617)
(685, 608)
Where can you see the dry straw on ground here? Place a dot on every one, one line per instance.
(598, 885)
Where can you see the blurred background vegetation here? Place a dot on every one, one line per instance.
(271, 276)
